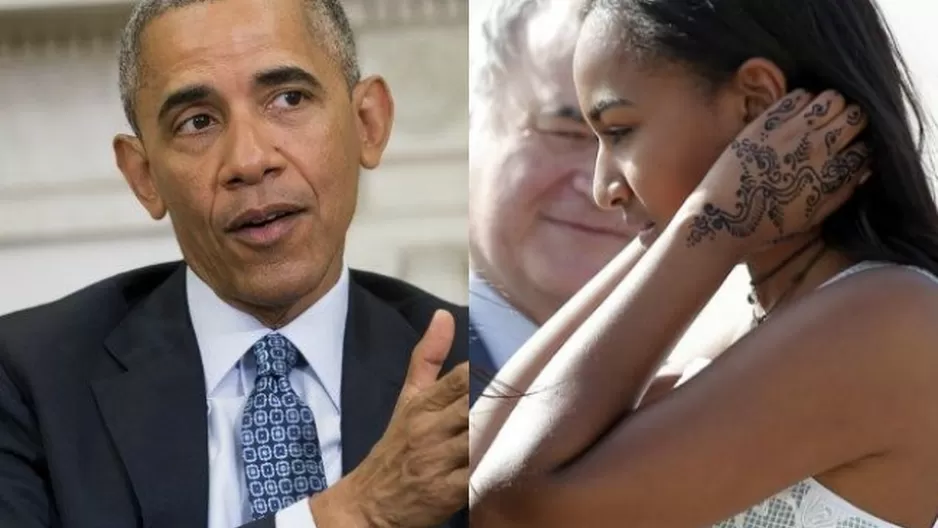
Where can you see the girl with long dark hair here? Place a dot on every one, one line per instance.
(783, 134)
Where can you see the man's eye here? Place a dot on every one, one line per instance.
(290, 99)
(195, 124)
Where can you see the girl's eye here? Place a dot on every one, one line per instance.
(617, 134)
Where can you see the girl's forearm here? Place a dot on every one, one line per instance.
(492, 409)
(601, 371)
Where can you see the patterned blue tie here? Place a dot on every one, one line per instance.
(279, 443)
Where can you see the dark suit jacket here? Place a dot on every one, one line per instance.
(483, 367)
(103, 407)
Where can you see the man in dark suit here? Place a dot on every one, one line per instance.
(260, 381)
(536, 235)
(481, 360)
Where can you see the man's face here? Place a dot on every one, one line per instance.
(252, 143)
(535, 231)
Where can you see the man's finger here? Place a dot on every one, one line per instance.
(453, 419)
(459, 481)
(448, 390)
(452, 453)
(431, 351)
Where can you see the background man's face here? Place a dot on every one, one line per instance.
(253, 146)
(535, 231)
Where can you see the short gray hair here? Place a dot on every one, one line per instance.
(495, 49)
(326, 18)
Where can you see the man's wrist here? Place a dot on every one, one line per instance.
(339, 506)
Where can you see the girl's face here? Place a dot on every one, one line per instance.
(659, 129)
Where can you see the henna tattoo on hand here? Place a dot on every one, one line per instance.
(830, 140)
(800, 156)
(777, 116)
(819, 109)
(767, 186)
(854, 117)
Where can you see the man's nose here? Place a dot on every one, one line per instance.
(250, 154)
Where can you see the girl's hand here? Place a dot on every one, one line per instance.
(786, 171)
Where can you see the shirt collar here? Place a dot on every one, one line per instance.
(225, 334)
(501, 327)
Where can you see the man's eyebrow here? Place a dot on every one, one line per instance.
(286, 75)
(605, 104)
(267, 78)
(184, 96)
(566, 112)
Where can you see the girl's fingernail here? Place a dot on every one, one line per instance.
(866, 175)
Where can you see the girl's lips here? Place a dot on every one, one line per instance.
(637, 228)
(648, 235)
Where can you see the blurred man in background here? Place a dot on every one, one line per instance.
(536, 236)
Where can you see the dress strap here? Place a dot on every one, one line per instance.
(868, 265)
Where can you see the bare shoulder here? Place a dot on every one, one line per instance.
(879, 326)
(892, 302)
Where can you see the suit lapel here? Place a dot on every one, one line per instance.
(378, 344)
(155, 412)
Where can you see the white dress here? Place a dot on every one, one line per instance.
(808, 504)
(805, 505)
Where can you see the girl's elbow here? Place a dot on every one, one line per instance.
(521, 505)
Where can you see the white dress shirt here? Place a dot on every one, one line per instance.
(225, 335)
(502, 328)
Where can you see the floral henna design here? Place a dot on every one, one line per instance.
(830, 140)
(776, 116)
(767, 186)
(854, 117)
(817, 110)
(801, 154)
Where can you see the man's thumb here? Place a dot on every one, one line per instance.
(431, 351)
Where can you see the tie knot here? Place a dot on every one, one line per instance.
(275, 355)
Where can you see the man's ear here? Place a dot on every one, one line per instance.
(133, 163)
(374, 108)
(759, 83)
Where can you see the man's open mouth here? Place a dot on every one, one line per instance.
(258, 218)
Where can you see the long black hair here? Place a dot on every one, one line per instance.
(844, 45)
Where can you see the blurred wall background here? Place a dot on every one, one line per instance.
(912, 23)
(67, 218)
